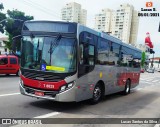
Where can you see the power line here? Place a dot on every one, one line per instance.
(47, 10)
(39, 8)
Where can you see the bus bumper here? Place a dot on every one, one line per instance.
(66, 96)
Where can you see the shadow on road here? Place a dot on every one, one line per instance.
(58, 106)
(8, 76)
(115, 104)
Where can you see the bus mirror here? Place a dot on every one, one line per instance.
(16, 45)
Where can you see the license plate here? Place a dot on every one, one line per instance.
(39, 93)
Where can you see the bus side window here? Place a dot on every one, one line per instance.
(87, 54)
(91, 55)
(81, 54)
(86, 59)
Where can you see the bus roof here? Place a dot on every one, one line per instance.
(49, 21)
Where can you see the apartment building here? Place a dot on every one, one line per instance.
(102, 20)
(3, 49)
(122, 23)
(73, 12)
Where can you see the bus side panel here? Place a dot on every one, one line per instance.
(114, 79)
(136, 77)
(107, 74)
(129, 73)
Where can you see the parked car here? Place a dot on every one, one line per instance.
(9, 64)
(142, 70)
(150, 70)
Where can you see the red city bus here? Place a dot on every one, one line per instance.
(66, 62)
(9, 64)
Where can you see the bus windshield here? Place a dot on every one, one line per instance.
(56, 54)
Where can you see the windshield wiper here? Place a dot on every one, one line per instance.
(54, 44)
(37, 51)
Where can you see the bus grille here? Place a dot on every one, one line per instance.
(45, 77)
(46, 93)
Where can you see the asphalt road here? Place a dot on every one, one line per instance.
(143, 102)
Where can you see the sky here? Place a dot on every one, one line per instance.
(50, 10)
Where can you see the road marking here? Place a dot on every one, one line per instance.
(145, 82)
(4, 95)
(150, 79)
(146, 78)
(155, 80)
(157, 125)
(139, 88)
(48, 115)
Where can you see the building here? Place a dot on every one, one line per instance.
(74, 13)
(122, 23)
(102, 20)
(3, 49)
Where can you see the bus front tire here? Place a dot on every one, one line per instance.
(97, 94)
(127, 87)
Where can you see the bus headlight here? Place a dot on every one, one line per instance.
(63, 88)
(70, 85)
(66, 87)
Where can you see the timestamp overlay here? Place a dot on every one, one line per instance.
(141, 14)
(149, 12)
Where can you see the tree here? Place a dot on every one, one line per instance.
(143, 59)
(13, 24)
(2, 17)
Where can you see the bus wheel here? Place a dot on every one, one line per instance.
(127, 88)
(97, 94)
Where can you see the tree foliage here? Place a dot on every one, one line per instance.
(2, 17)
(14, 23)
(143, 59)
